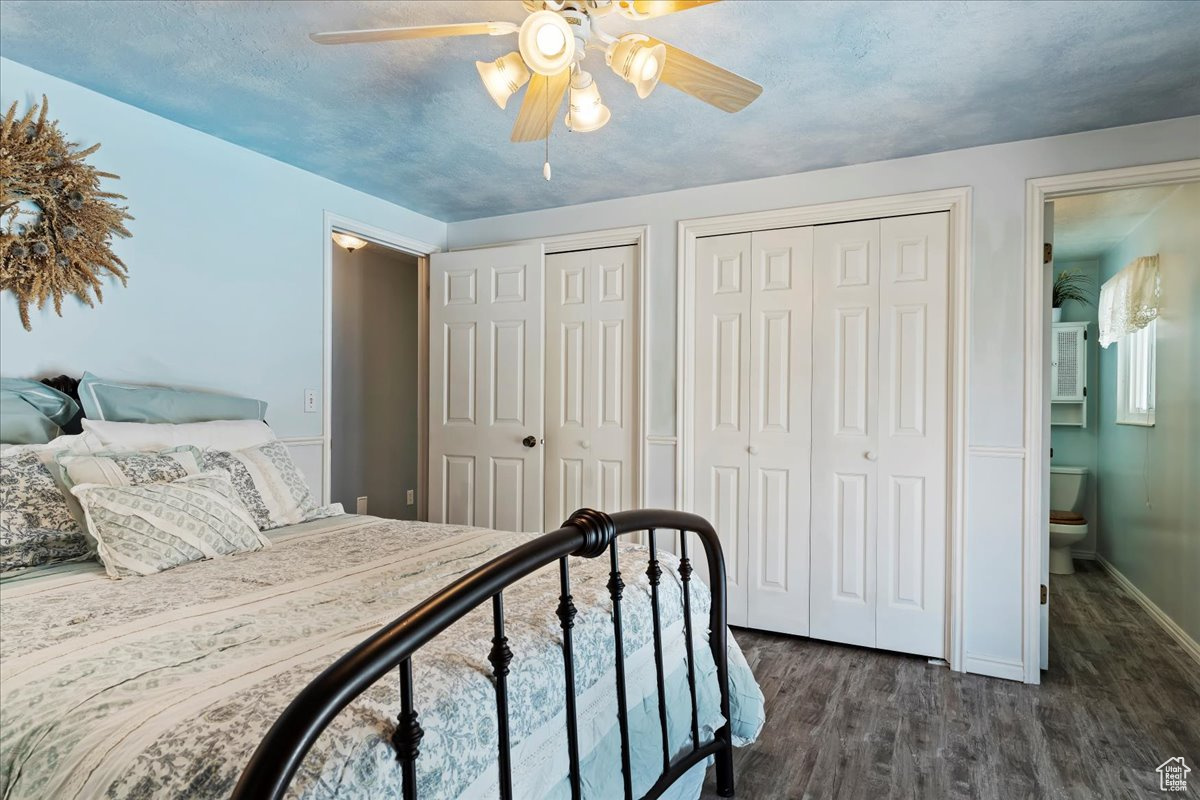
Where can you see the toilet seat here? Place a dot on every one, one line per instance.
(1066, 518)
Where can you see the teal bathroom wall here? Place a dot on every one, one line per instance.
(1149, 477)
(226, 261)
(1073, 446)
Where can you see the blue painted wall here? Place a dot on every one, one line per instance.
(1076, 447)
(1149, 482)
(226, 261)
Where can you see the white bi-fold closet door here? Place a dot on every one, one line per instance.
(819, 427)
(751, 409)
(525, 427)
(879, 424)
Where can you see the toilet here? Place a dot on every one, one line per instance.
(1067, 526)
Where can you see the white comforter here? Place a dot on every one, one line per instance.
(162, 686)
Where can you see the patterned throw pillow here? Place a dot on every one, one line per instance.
(269, 484)
(130, 469)
(149, 528)
(36, 526)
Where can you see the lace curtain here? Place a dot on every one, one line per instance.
(1129, 300)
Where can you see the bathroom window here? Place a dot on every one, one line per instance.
(1135, 377)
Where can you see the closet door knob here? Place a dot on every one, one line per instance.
(585, 444)
(870, 455)
(752, 450)
(529, 441)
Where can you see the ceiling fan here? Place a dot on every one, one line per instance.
(552, 44)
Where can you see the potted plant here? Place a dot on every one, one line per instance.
(1069, 285)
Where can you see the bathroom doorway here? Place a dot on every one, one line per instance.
(1121, 468)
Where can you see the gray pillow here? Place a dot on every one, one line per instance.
(130, 402)
(36, 526)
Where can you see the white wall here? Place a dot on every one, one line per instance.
(1149, 478)
(997, 175)
(226, 261)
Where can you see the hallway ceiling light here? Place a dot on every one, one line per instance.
(552, 43)
(349, 243)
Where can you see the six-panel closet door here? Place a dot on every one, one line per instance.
(591, 443)
(879, 433)
(751, 416)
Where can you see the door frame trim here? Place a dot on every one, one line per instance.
(394, 241)
(957, 202)
(638, 235)
(1037, 507)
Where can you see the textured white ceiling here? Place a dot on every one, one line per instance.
(408, 121)
(1087, 225)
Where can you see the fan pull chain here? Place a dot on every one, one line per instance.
(546, 165)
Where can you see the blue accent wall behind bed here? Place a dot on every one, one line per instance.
(226, 261)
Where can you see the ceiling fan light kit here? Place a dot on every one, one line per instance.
(586, 111)
(552, 43)
(636, 60)
(503, 77)
(546, 42)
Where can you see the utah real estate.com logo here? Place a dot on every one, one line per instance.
(1172, 775)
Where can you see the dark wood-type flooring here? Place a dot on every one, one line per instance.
(1120, 698)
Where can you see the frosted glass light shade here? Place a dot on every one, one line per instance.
(637, 61)
(503, 77)
(348, 243)
(586, 112)
(546, 43)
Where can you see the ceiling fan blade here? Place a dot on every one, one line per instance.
(415, 32)
(543, 97)
(706, 81)
(648, 9)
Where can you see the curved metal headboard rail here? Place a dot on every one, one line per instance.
(587, 534)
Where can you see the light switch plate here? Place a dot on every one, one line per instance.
(310, 401)
(412, 497)
(361, 506)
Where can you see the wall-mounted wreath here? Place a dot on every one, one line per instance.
(56, 225)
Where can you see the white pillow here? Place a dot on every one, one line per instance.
(156, 526)
(232, 434)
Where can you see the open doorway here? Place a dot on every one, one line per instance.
(378, 378)
(1121, 337)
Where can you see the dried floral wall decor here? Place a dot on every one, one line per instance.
(56, 225)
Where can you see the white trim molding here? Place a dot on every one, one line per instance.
(1037, 509)
(335, 222)
(1189, 645)
(956, 201)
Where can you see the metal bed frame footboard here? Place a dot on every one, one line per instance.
(587, 534)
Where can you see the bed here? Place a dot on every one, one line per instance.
(448, 646)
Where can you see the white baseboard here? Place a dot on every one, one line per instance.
(1086, 555)
(1177, 633)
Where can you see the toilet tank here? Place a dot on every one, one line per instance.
(1066, 487)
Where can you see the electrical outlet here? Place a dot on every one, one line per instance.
(361, 505)
(412, 497)
(310, 401)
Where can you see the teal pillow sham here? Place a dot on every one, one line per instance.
(51, 403)
(21, 423)
(129, 402)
